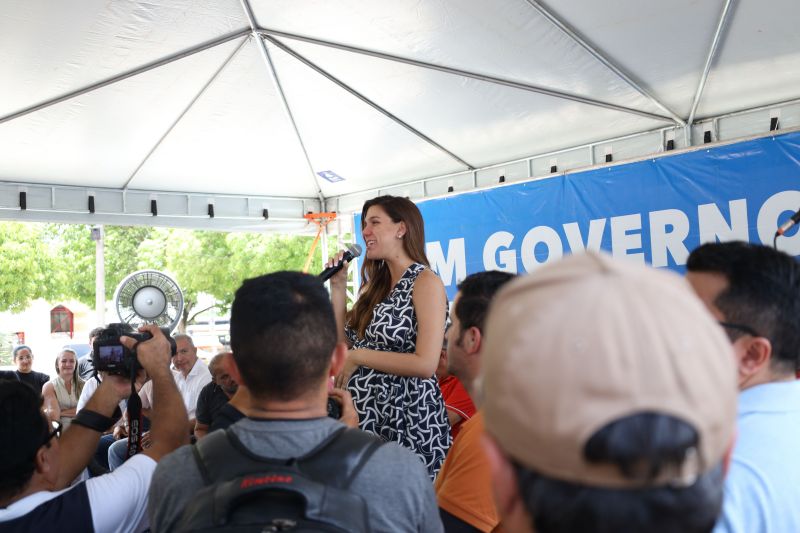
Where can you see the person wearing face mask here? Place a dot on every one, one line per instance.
(61, 393)
(23, 358)
(394, 333)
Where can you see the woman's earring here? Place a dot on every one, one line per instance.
(399, 236)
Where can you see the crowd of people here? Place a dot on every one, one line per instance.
(593, 395)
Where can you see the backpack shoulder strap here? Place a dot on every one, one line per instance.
(340, 458)
(221, 456)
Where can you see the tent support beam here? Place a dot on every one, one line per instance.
(712, 54)
(248, 10)
(183, 113)
(594, 52)
(467, 74)
(734, 119)
(125, 75)
(366, 100)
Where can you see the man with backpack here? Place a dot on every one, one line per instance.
(288, 466)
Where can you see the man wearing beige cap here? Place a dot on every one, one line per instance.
(609, 397)
(754, 292)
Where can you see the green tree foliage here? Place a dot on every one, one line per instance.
(73, 252)
(58, 261)
(25, 266)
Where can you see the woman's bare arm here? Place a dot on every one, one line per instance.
(430, 306)
(51, 407)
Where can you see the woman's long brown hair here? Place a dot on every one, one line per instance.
(376, 280)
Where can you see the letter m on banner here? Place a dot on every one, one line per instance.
(454, 263)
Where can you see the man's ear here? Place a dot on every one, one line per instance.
(472, 340)
(232, 369)
(42, 458)
(338, 357)
(757, 356)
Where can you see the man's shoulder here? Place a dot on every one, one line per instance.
(46, 507)
(208, 389)
(200, 368)
(172, 463)
(391, 458)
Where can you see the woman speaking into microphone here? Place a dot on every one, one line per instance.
(394, 332)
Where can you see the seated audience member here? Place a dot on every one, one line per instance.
(23, 358)
(215, 395)
(754, 292)
(457, 402)
(85, 363)
(284, 340)
(231, 412)
(191, 375)
(463, 486)
(61, 393)
(609, 398)
(38, 462)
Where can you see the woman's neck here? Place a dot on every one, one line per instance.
(67, 382)
(397, 267)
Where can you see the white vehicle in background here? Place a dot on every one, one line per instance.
(210, 336)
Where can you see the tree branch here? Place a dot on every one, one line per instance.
(191, 319)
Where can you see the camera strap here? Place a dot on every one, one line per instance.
(134, 418)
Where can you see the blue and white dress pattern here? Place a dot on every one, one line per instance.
(406, 410)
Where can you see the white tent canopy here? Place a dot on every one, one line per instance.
(268, 109)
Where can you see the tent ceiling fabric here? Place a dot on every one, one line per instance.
(180, 95)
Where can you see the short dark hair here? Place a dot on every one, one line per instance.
(22, 428)
(475, 294)
(283, 333)
(96, 332)
(763, 293)
(646, 440)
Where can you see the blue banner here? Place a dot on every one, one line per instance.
(654, 211)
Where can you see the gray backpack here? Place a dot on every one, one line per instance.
(245, 492)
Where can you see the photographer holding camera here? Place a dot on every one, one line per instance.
(38, 463)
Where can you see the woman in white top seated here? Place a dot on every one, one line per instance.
(61, 393)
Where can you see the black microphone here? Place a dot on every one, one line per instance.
(789, 223)
(352, 252)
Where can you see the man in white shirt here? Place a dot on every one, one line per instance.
(38, 466)
(191, 374)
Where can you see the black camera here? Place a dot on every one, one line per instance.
(110, 355)
(334, 409)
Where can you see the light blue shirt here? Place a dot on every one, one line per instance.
(762, 488)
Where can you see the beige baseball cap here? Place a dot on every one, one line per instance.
(589, 340)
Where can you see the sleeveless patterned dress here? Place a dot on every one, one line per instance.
(406, 410)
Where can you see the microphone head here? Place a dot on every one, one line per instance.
(354, 249)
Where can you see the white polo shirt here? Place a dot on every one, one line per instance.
(189, 387)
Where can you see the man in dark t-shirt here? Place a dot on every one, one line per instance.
(226, 416)
(215, 396)
(86, 363)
